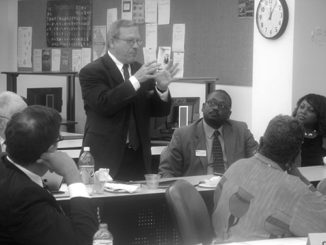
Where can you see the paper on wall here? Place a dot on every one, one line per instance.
(99, 41)
(151, 36)
(37, 60)
(111, 16)
(126, 9)
(178, 37)
(151, 11)
(55, 59)
(178, 58)
(149, 54)
(86, 56)
(24, 47)
(163, 12)
(76, 59)
(138, 11)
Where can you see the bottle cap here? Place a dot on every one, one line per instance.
(103, 225)
(86, 148)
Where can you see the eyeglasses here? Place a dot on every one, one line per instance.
(131, 42)
(219, 105)
(60, 138)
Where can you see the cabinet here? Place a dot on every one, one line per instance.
(70, 79)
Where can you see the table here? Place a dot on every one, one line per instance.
(70, 78)
(278, 241)
(142, 217)
(314, 173)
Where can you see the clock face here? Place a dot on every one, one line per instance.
(272, 18)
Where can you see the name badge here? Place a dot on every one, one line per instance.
(200, 153)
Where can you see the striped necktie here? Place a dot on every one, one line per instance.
(132, 130)
(217, 153)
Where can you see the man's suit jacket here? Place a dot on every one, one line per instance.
(107, 102)
(179, 158)
(29, 214)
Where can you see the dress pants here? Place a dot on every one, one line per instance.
(132, 165)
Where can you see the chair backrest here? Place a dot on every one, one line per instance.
(190, 213)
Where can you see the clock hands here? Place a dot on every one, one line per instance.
(272, 10)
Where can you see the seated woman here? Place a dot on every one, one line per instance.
(311, 111)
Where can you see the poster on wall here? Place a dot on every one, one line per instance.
(246, 8)
(138, 11)
(69, 23)
(99, 41)
(24, 47)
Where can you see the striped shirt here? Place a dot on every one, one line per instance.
(258, 200)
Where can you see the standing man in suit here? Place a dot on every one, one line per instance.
(10, 103)
(120, 95)
(209, 145)
(29, 214)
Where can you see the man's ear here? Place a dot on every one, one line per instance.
(230, 112)
(202, 108)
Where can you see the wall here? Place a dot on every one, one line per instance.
(289, 67)
(8, 38)
(272, 75)
(309, 73)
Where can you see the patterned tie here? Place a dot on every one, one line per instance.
(133, 137)
(217, 154)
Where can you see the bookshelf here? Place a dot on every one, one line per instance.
(70, 79)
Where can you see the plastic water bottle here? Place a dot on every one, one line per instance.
(86, 166)
(103, 236)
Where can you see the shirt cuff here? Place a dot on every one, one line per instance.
(77, 190)
(164, 96)
(135, 83)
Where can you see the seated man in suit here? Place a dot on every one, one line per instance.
(10, 103)
(29, 214)
(260, 198)
(209, 145)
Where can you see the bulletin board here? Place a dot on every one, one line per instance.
(218, 43)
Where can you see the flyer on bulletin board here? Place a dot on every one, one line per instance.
(24, 47)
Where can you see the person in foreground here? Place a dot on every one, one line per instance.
(29, 214)
(209, 145)
(10, 103)
(120, 95)
(311, 112)
(257, 198)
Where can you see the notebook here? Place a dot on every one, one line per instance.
(53, 181)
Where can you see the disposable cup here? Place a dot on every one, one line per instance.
(152, 180)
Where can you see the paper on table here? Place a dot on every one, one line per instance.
(120, 187)
(210, 183)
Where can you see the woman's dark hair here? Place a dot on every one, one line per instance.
(31, 132)
(318, 102)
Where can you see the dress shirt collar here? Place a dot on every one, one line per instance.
(268, 162)
(209, 131)
(34, 177)
(116, 61)
(2, 144)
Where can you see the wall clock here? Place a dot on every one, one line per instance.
(272, 18)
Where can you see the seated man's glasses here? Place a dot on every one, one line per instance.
(219, 105)
(131, 42)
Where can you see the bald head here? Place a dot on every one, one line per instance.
(10, 103)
